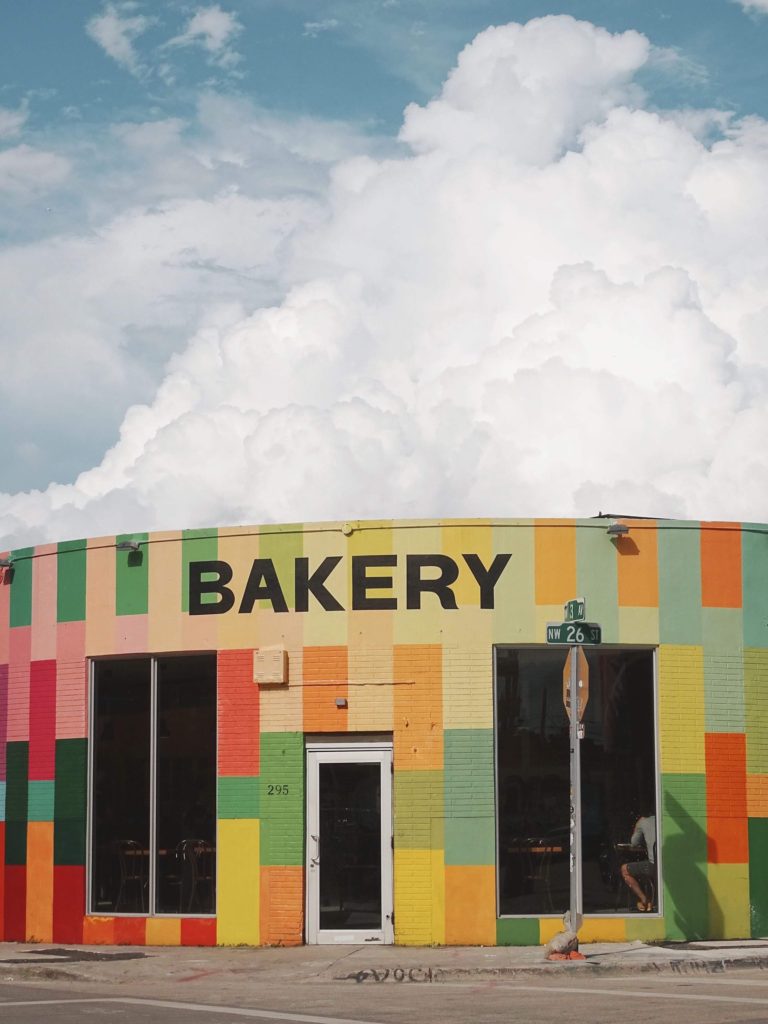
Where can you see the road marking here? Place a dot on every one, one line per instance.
(52, 1002)
(691, 996)
(300, 1018)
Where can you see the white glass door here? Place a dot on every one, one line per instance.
(349, 843)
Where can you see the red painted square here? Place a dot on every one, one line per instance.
(15, 902)
(42, 720)
(130, 931)
(198, 931)
(238, 707)
(68, 903)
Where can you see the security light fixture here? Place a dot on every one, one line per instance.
(128, 545)
(6, 563)
(617, 529)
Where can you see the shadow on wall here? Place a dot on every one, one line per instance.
(690, 911)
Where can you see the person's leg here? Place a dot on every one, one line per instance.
(634, 885)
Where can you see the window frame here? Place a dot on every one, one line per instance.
(654, 649)
(154, 658)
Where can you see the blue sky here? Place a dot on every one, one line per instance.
(168, 170)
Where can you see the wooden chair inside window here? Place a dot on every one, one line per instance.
(198, 864)
(132, 889)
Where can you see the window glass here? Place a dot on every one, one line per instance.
(120, 830)
(179, 785)
(618, 783)
(186, 781)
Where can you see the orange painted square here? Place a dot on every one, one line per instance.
(99, 931)
(637, 559)
(757, 796)
(282, 906)
(198, 931)
(470, 905)
(39, 881)
(555, 560)
(239, 714)
(727, 840)
(418, 706)
(130, 931)
(721, 565)
(325, 677)
(726, 765)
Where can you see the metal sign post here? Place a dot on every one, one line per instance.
(576, 903)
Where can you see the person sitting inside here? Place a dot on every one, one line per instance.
(633, 872)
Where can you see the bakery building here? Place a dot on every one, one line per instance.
(356, 732)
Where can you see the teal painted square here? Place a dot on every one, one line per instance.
(40, 801)
(754, 562)
(470, 840)
(17, 790)
(723, 670)
(684, 856)
(239, 796)
(517, 932)
(758, 876)
(680, 620)
(2, 801)
(282, 809)
(469, 772)
(597, 577)
(418, 810)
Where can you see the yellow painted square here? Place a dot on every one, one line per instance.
(467, 687)
(638, 625)
(238, 882)
(163, 931)
(415, 884)
(514, 614)
(165, 592)
(729, 914)
(681, 709)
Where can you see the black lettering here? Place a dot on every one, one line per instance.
(315, 584)
(440, 585)
(262, 585)
(362, 583)
(487, 578)
(198, 587)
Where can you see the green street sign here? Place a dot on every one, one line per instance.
(576, 610)
(574, 633)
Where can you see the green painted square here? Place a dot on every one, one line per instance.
(758, 876)
(755, 689)
(469, 772)
(21, 587)
(17, 792)
(680, 584)
(282, 798)
(517, 932)
(70, 581)
(418, 812)
(132, 577)
(16, 842)
(238, 796)
(70, 801)
(723, 670)
(197, 546)
(470, 840)
(597, 579)
(40, 800)
(684, 856)
(754, 562)
(283, 544)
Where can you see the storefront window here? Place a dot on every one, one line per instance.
(618, 781)
(154, 777)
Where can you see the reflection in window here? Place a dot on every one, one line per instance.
(126, 866)
(618, 778)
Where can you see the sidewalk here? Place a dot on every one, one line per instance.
(187, 968)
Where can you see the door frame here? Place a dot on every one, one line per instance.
(348, 749)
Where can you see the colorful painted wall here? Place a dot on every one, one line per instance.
(697, 591)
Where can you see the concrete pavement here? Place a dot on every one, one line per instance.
(153, 969)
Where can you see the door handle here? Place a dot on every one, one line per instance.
(314, 861)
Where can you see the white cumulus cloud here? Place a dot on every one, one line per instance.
(552, 300)
(214, 30)
(115, 29)
(760, 6)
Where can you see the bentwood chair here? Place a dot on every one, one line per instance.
(132, 861)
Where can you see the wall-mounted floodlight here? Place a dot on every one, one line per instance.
(617, 529)
(128, 545)
(6, 563)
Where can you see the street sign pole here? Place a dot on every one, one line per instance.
(575, 823)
